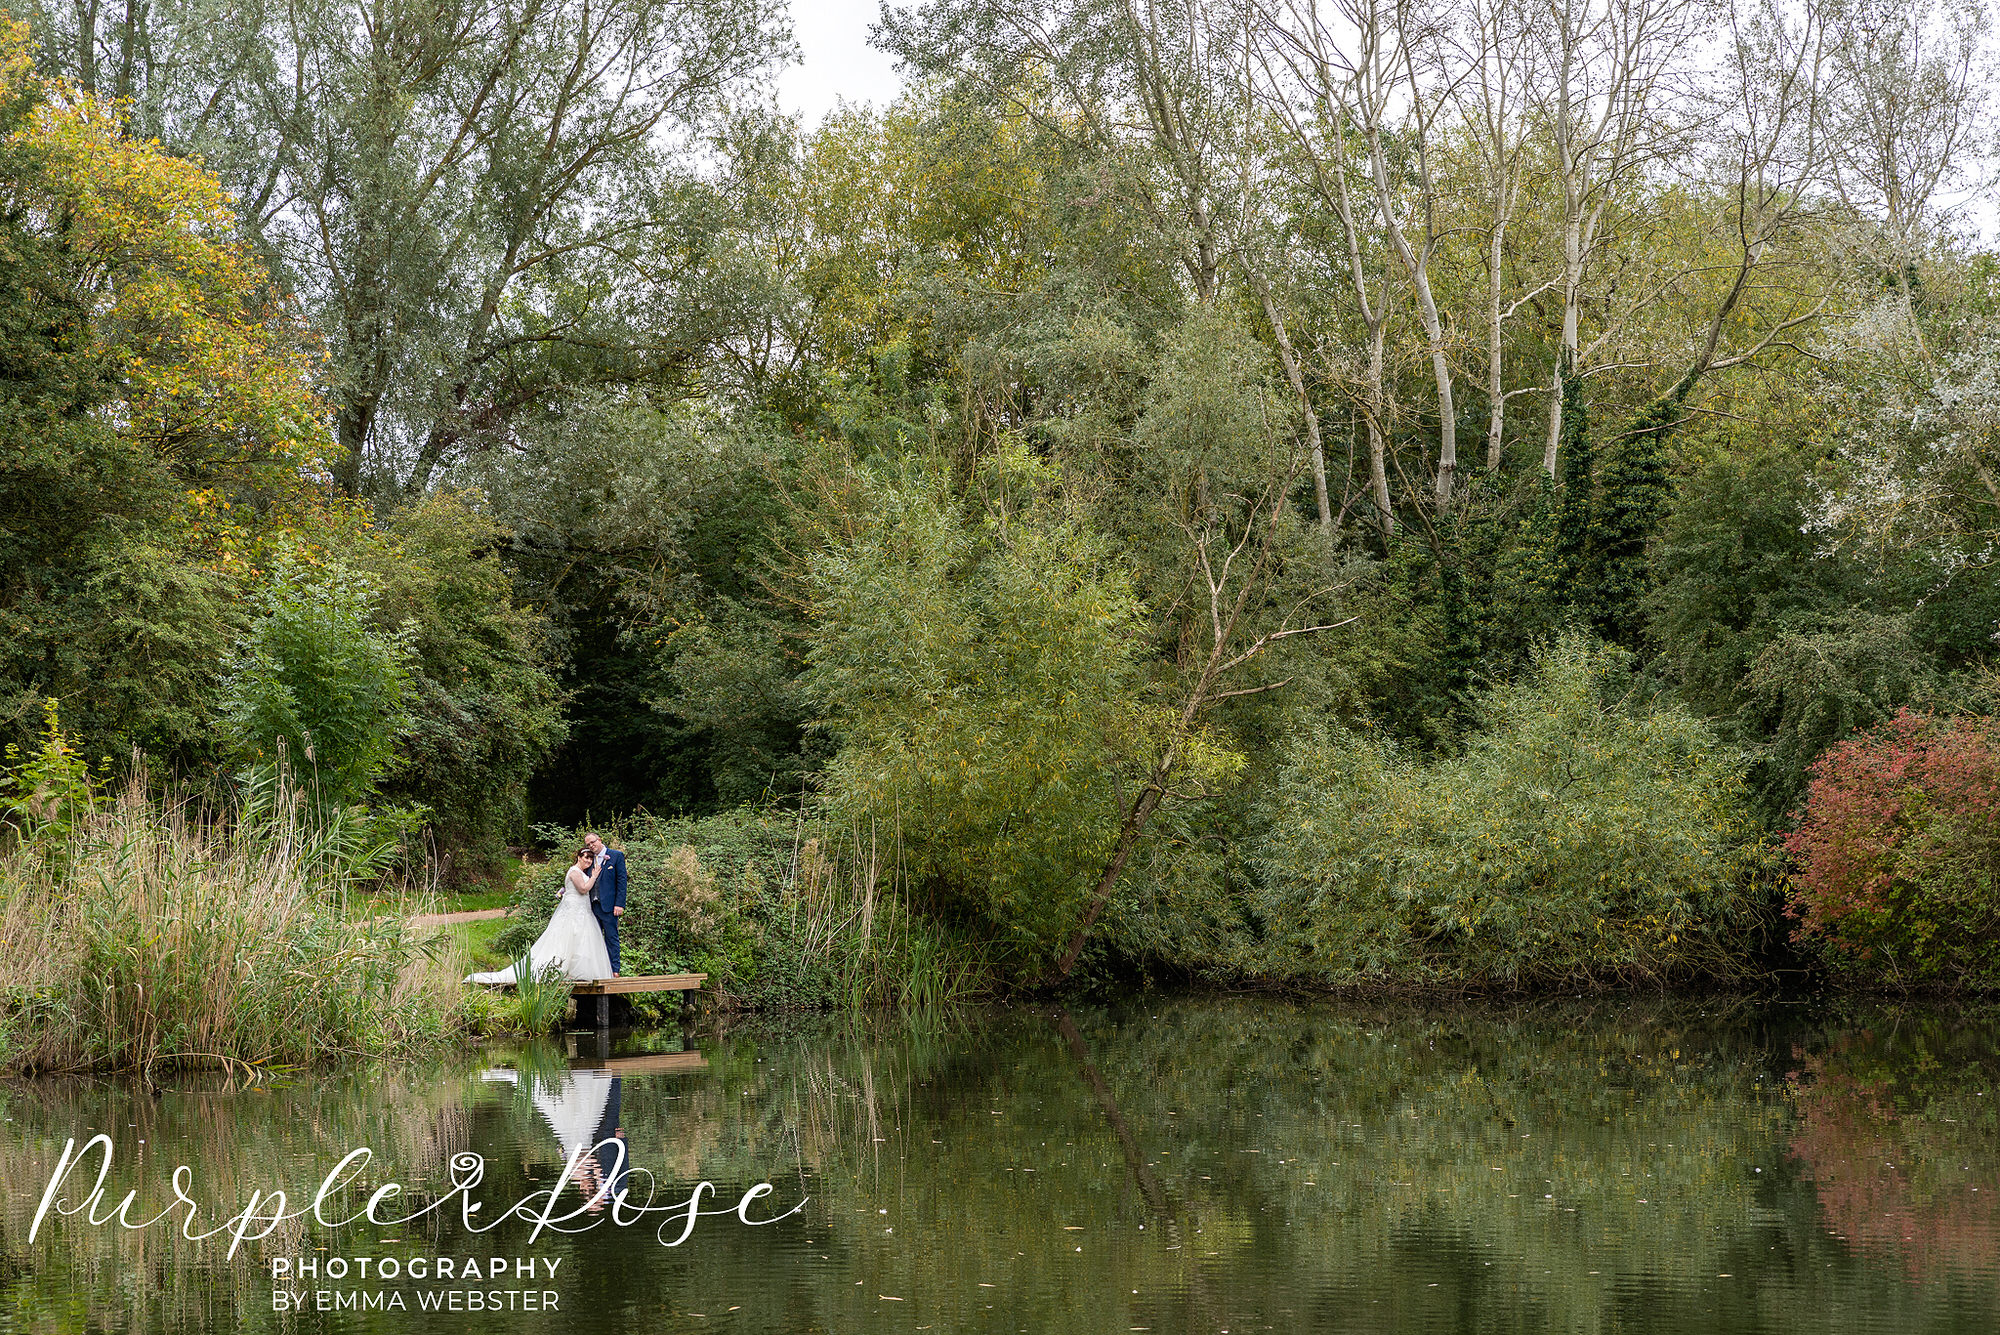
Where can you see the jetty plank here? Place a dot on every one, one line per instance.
(645, 982)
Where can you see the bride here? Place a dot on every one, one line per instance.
(572, 944)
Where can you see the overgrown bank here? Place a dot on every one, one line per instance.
(1034, 531)
(137, 938)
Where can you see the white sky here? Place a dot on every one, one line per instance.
(839, 64)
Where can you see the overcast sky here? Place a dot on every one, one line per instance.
(839, 64)
(833, 37)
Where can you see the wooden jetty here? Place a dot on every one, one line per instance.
(603, 988)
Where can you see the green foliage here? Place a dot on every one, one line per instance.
(1577, 507)
(932, 469)
(534, 1005)
(1582, 836)
(481, 705)
(1735, 566)
(1633, 501)
(977, 671)
(313, 684)
(1465, 610)
(157, 423)
(45, 793)
(641, 532)
(1824, 681)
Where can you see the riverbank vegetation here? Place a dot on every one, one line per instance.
(139, 938)
(1331, 495)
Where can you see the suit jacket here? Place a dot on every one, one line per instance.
(609, 892)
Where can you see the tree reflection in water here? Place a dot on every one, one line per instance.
(1179, 1165)
(1899, 1132)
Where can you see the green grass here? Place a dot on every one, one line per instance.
(472, 903)
(475, 940)
(495, 892)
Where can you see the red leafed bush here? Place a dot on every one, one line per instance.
(1898, 853)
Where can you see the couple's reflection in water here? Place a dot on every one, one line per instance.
(580, 1097)
(583, 1108)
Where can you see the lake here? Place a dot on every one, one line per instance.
(1165, 1164)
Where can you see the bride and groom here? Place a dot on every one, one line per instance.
(581, 940)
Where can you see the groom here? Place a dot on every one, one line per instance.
(607, 900)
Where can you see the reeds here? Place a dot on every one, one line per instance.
(860, 934)
(150, 935)
(537, 1004)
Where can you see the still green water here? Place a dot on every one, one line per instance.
(1162, 1165)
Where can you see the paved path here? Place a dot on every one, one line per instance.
(446, 919)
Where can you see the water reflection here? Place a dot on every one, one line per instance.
(582, 1108)
(1174, 1166)
(1893, 1121)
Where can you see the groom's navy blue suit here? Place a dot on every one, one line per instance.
(609, 894)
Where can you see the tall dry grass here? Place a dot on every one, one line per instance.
(151, 935)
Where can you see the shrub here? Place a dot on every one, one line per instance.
(314, 682)
(1898, 853)
(1580, 837)
(978, 673)
(44, 794)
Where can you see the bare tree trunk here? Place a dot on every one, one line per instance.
(1296, 375)
(86, 45)
(1496, 389)
(1129, 830)
(1566, 349)
(1373, 89)
(1498, 53)
(1233, 581)
(1375, 410)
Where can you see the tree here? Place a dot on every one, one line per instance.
(484, 204)
(1608, 99)
(1906, 112)
(1230, 580)
(1388, 73)
(483, 708)
(975, 662)
(158, 425)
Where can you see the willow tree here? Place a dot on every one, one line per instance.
(484, 204)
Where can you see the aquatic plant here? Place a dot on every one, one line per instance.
(536, 1005)
(152, 935)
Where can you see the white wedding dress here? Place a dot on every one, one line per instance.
(572, 943)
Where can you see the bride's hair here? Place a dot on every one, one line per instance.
(581, 852)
